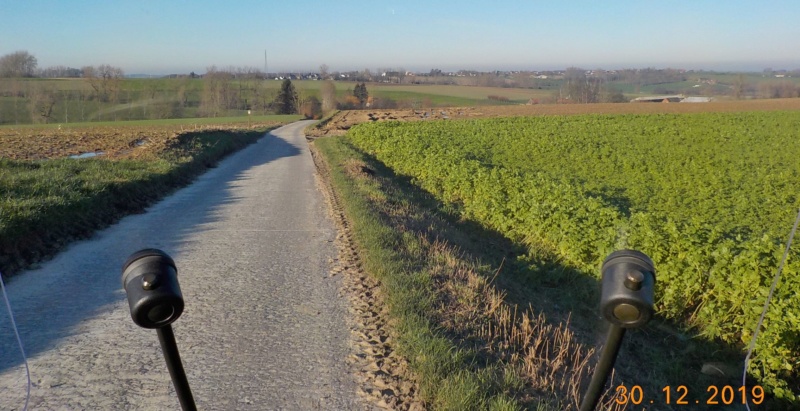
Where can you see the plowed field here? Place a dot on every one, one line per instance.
(343, 120)
(26, 143)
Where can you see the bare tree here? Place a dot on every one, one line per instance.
(323, 71)
(783, 89)
(105, 80)
(218, 94)
(181, 93)
(111, 81)
(401, 74)
(41, 101)
(580, 88)
(59, 72)
(262, 98)
(210, 104)
(88, 72)
(18, 64)
(328, 94)
(787, 89)
(248, 79)
(739, 86)
(16, 94)
(311, 107)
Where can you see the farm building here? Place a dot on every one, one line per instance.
(677, 98)
(697, 99)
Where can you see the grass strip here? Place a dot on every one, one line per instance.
(45, 204)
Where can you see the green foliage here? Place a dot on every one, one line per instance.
(710, 197)
(462, 390)
(503, 403)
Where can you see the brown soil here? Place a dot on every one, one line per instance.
(25, 143)
(342, 121)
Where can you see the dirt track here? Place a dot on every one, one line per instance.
(383, 375)
(265, 326)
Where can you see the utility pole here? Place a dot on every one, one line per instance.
(266, 72)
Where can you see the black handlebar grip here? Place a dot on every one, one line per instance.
(628, 288)
(150, 280)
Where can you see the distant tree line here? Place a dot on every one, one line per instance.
(21, 64)
(18, 64)
(244, 89)
(578, 87)
(59, 72)
(102, 92)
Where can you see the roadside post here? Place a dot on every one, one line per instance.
(626, 301)
(150, 280)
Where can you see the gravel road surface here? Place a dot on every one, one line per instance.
(264, 328)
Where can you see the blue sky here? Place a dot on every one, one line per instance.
(159, 37)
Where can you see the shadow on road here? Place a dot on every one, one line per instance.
(55, 301)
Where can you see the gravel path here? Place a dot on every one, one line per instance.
(264, 327)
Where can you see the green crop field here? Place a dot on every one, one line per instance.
(711, 197)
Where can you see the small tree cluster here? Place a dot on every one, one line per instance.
(361, 94)
(42, 100)
(328, 94)
(18, 64)
(311, 107)
(105, 80)
(497, 98)
(219, 93)
(783, 89)
(579, 88)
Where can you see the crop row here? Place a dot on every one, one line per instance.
(710, 197)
